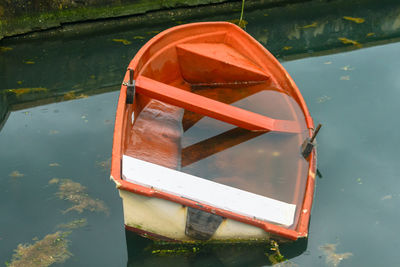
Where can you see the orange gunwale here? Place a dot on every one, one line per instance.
(278, 75)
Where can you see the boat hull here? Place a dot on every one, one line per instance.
(163, 214)
(166, 220)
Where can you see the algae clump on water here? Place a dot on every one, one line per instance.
(53, 248)
(76, 193)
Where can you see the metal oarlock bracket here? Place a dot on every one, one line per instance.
(308, 144)
(130, 89)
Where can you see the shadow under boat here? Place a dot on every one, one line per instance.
(146, 252)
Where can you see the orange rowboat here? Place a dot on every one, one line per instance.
(209, 140)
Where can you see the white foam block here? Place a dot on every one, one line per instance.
(207, 192)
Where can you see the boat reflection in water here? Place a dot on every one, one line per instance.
(145, 252)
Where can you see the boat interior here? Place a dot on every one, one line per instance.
(215, 105)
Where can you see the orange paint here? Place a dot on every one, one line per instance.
(175, 74)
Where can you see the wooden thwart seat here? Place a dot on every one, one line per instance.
(214, 109)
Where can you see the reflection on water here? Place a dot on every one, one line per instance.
(144, 252)
(358, 149)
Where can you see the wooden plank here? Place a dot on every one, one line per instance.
(207, 192)
(214, 109)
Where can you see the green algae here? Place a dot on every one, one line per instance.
(53, 248)
(76, 194)
(57, 15)
(175, 251)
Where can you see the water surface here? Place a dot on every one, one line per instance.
(354, 94)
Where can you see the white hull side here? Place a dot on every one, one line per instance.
(168, 219)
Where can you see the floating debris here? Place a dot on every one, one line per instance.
(345, 78)
(138, 37)
(29, 62)
(359, 180)
(16, 174)
(21, 91)
(241, 23)
(287, 47)
(54, 181)
(313, 25)
(153, 32)
(333, 258)
(263, 39)
(105, 165)
(55, 164)
(346, 68)
(19, 82)
(276, 154)
(123, 41)
(387, 197)
(175, 251)
(53, 132)
(370, 34)
(328, 62)
(5, 48)
(76, 193)
(356, 20)
(323, 99)
(53, 248)
(73, 224)
(349, 41)
(71, 95)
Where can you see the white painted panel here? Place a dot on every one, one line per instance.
(207, 192)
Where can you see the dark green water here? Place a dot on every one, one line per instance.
(354, 94)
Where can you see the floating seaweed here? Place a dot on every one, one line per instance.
(21, 91)
(123, 41)
(333, 258)
(76, 193)
(345, 78)
(241, 23)
(71, 95)
(53, 248)
(356, 20)
(53, 132)
(313, 25)
(323, 99)
(175, 251)
(105, 165)
(78, 223)
(349, 41)
(29, 62)
(346, 68)
(16, 174)
(55, 164)
(387, 197)
(5, 48)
